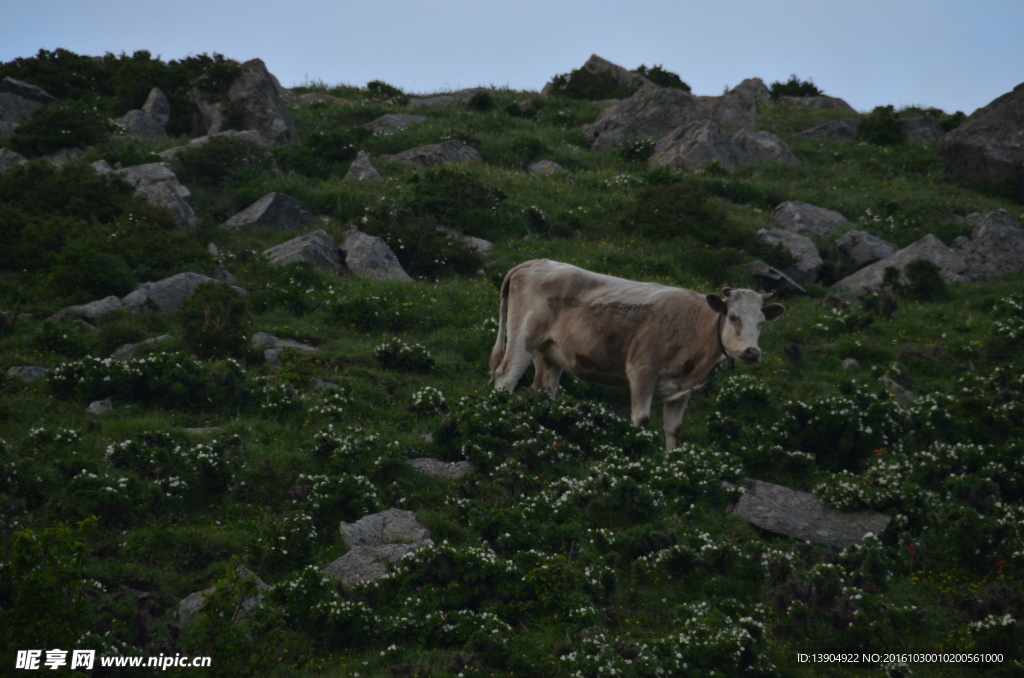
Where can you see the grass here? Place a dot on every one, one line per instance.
(575, 546)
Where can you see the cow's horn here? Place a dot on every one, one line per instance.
(766, 297)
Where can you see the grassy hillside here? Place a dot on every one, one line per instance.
(576, 547)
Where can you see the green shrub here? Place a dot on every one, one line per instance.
(222, 160)
(482, 102)
(452, 196)
(84, 273)
(62, 124)
(395, 354)
(215, 322)
(919, 280)
(662, 78)
(952, 121)
(381, 91)
(65, 340)
(590, 86)
(794, 87)
(883, 127)
(637, 150)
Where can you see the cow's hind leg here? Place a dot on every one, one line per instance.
(674, 419)
(546, 375)
(519, 351)
(641, 392)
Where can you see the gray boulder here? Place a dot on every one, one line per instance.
(996, 247)
(622, 76)
(99, 407)
(168, 294)
(128, 351)
(27, 373)
(862, 248)
(837, 130)
(545, 167)
(318, 248)
(923, 129)
(819, 103)
(158, 106)
(700, 143)
(362, 170)
(160, 186)
(445, 470)
(191, 605)
(772, 279)
(261, 341)
(462, 96)
(988, 147)
(247, 135)
(256, 94)
(91, 311)
(25, 91)
(448, 152)
(140, 124)
(479, 244)
(753, 88)
(368, 256)
(274, 210)
(902, 396)
(393, 123)
(10, 160)
(808, 260)
(806, 219)
(393, 526)
(951, 265)
(18, 101)
(733, 110)
(801, 515)
(366, 563)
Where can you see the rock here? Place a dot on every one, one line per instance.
(204, 430)
(772, 279)
(191, 605)
(160, 186)
(446, 470)
(98, 407)
(24, 90)
(224, 275)
(850, 364)
(27, 374)
(754, 88)
(648, 114)
(634, 82)
(444, 153)
(837, 130)
(806, 219)
(140, 124)
(988, 147)
(902, 396)
(996, 247)
(923, 129)
(247, 135)
(367, 563)
(393, 526)
(545, 167)
(801, 515)
(170, 293)
(700, 143)
(733, 110)
(158, 106)
(10, 160)
(480, 245)
(862, 248)
(808, 260)
(274, 210)
(462, 96)
(362, 170)
(261, 341)
(128, 351)
(368, 256)
(951, 265)
(817, 103)
(318, 248)
(91, 311)
(256, 94)
(393, 123)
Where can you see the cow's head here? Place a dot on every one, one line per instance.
(744, 314)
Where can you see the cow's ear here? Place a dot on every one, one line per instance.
(716, 303)
(773, 311)
(727, 291)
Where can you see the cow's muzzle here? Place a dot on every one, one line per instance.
(750, 355)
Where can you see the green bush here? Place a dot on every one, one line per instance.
(919, 280)
(481, 102)
(381, 91)
(62, 124)
(662, 78)
(589, 86)
(215, 322)
(452, 196)
(222, 160)
(84, 273)
(395, 354)
(883, 127)
(794, 87)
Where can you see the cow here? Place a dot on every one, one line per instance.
(657, 340)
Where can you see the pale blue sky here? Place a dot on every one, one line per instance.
(953, 54)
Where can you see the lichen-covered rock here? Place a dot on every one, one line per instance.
(256, 95)
(648, 114)
(318, 248)
(808, 260)
(274, 210)
(951, 265)
(700, 143)
(160, 186)
(192, 604)
(996, 247)
(362, 170)
(168, 294)
(368, 563)
(140, 124)
(10, 160)
(806, 219)
(445, 470)
(819, 103)
(393, 526)
(545, 167)
(27, 373)
(448, 152)
(862, 248)
(368, 256)
(393, 123)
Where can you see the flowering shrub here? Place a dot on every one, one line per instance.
(286, 544)
(429, 401)
(315, 605)
(395, 354)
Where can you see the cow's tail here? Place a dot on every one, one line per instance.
(498, 352)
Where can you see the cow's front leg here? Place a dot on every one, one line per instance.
(674, 410)
(641, 393)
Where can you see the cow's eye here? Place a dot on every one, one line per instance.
(734, 319)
